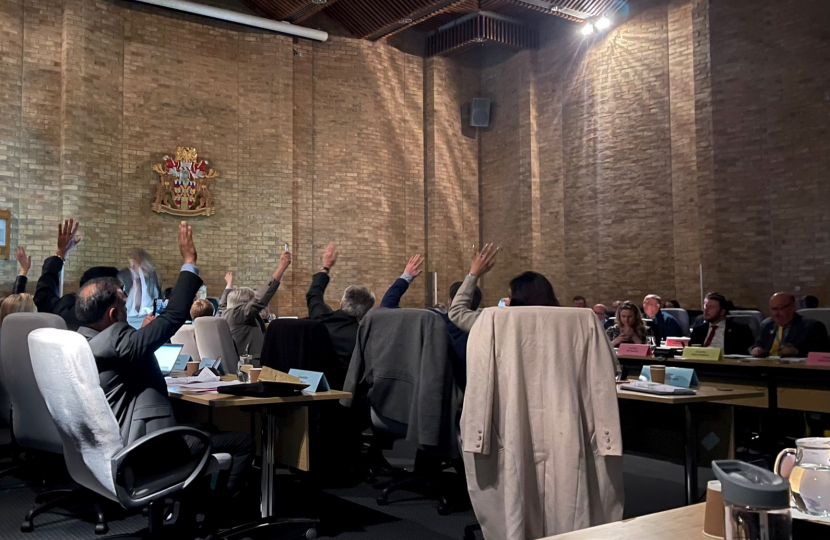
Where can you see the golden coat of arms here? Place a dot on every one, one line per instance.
(183, 185)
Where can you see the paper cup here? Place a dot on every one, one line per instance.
(713, 514)
(658, 374)
(254, 373)
(191, 368)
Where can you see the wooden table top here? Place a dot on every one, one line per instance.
(227, 400)
(680, 524)
(704, 394)
(729, 362)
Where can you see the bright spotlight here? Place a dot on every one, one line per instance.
(588, 29)
(603, 23)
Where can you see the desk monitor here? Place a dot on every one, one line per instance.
(166, 356)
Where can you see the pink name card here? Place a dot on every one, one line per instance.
(677, 341)
(818, 359)
(632, 349)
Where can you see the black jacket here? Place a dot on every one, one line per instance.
(342, 327)
(48, 289)
(302, 344)
(127, 367)
(19, 284)
(738, 338)
(807, 335)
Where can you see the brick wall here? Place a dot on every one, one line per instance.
(314, 142)
(689, 135)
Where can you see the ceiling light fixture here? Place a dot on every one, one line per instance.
(406, 21)
(588, 29)
(604, 23)
(319, 1)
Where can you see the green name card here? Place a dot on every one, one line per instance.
(710, 354)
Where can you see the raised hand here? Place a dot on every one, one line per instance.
(67, 237)
(186, 246)
(330, 255)
(229, 280)
(413, 267)
(483, 261)
(24, 260)
(285, 262)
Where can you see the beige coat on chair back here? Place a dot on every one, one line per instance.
(541, 427)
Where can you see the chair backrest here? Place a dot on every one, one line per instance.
(5, 399)
(682, 317)
(68, 380)
(302, 344)
(215, 302)
(186, 336)
(31, 422)
(748, 319)
(214, 340)
(819, 314)
(749, 313)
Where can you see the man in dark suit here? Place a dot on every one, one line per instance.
(666, 325)
(47, 292)
(602, 314)
(786, 333)
(130, 376)
(718, 331)
(341, 324)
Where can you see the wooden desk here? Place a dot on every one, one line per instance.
(679, 524)
(284, 431)
(705, 394)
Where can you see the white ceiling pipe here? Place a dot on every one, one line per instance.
(240, 18)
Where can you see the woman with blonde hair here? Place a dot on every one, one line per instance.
(628, 326)
(16, 303)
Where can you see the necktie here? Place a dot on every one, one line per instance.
(777, 343)
(711, 335)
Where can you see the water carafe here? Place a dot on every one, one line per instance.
(756, 502)
(808, 469)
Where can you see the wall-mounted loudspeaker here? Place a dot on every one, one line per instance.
(480, 112)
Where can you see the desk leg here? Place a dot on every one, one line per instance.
(691, 457)
(269, 444)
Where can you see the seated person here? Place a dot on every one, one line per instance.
(671, 304)
(47, 298)
(579, 301)
(667, 326)
(458, 338)
(602, 314)
(526, 289)
(341, 324)
(808, 302)
(241, 308)
(16, 303)
(786, 333)
(720, 332)
(628, 326)
(25, 262)
(201, 308)
(130, 376)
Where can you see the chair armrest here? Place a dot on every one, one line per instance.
(156, 465)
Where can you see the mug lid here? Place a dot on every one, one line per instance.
(743, 484)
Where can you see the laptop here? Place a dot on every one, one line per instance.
(169, 358)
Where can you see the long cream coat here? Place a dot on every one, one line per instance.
(541, 428)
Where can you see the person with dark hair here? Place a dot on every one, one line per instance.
(720, 332)
(808, 302)
(526, 289)
(47, 292)
(579, 301)
(671, 304)
(129, 374)
(786, 333)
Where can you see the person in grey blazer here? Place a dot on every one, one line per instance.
(241, 308)
(129, 374)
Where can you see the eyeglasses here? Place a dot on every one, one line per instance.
(782, 308)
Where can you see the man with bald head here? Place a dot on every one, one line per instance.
(786, 333)
(602, 315)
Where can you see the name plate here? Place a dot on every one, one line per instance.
(710, 354)
(818, 359)
(633, 349)
(677, 342)
(315, 380)
(675, 376)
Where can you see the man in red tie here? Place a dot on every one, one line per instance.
(720, 332)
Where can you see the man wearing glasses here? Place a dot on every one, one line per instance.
(786, 333)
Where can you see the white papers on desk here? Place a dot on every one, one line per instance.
(742, 357)
(207, 385)
(205, 375)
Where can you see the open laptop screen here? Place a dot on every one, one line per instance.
(166, 356)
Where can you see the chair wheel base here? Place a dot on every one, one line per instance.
(27, 526)
(101, 528)
(382, 501)
(443, 509)
(310, 534)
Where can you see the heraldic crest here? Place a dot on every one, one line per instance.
(183, 185)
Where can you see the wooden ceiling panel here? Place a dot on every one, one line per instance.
(292, 11)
